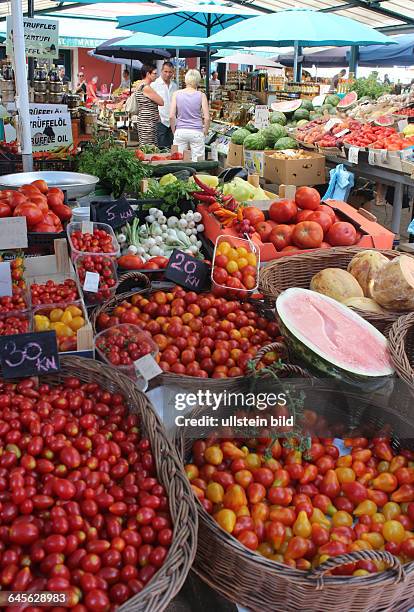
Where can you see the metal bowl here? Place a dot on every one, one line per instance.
(74, 183)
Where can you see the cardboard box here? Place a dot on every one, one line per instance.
(373, 235)
(235, 155)
(58, 267)
(254, 162)
(297, 172)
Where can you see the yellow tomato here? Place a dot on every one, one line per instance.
(232, 266)
(66, 317)
(391, 510)
(215, 492)
(366, 507)
(42, 323)
(375, 539)
(77, 323)
(342, 519)
(61, 329)
(232, 254)
(226, 519)
(251, 258)
(242, 252)
(223, 248)
(75, 311)
(360, 572)
(242, 263)
(253, 460)
(56, 314)
(214, 455)
(393, 531)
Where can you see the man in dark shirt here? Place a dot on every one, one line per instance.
(335, 80)
(63, 76)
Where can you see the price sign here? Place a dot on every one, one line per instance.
(353, 155)
(383, 153)
(187, 271)
(261, 116)
(340, 134)
(6, 288)
(406, 153)
(329, 124)
(402, 124)
(91, 282)
(29, 354)
(371, 157)
(13, 233)
(147, 367)
(116, 214)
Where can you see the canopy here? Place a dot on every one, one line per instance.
(115, 48)
(401, 54)
(186, 46)
(116, 60)
(299, 26)
(328, 58)
(249, 59)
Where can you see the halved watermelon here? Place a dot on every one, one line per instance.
(385, 120)
(332, 339)
(287, 106)
(347, 101)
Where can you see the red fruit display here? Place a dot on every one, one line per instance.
(307, 235)
(104, 266)
(123, 344)
(281, 236)
(283, 211)
(342, 233)
(54, 293)
(98, 242)
(307, 198)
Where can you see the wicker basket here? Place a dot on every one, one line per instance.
(168, 580)
(298, 270)
(401, 342)
(263, 585)
(186, 383)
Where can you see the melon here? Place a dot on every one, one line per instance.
(366, 304)
(332, 339)
(278, 117)
(393, 286)
(332, 99)
(301, 113)
(239, 135)
(338, 284)
(255, 142)
(286, 106)
(384, 120)
(307, 104)
(347, 101)
(365, 266)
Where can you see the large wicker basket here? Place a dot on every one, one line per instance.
(136, 282)
(168, 580)
(298, 270)
(263, 585)
(401, 343)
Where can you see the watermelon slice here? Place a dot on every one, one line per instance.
(348, 101)
(332, 339)
(287, 106)
(384, 120)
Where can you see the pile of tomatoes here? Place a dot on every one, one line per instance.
(197, 334)
(366, 134)
(98, 242)
(395, 142)
(105, 267)
(235, 267)
(14, 302)
(123, 344)
(302, 223)
(301, 508)
(82, 511)
(54, 293)
(14, 324)
(43, 207)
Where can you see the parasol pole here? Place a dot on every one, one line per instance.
(177, 67)
(295, 59)
(22, 92)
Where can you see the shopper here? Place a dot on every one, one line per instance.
(81, 85)
(91, 89)
(148, 103)
(214, 81)
(189, 116)
(126, 81)
(165, 87)
(62, 75)
(387, 80)
(335, 80)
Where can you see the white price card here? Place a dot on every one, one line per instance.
(6, 288)
(87, 227)
(402, 124)
(261, 116)
(329, 124)
(340, 134)
(371, 157)
(319, 100)
(407, 153)
(147, 367)
(383, 153)
(353, 155)
(91, 282)
(13, 233)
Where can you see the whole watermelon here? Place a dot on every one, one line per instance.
(272, 133)
(307, 105)
(301, 113)
(332, 99)
(286, 143)
(250, 127)
(278, 117)
(239, 135)
(255, 142)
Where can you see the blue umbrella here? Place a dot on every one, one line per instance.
(202, 21)
(299, 27)
(401, 54)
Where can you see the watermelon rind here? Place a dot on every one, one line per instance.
(385, 120)
(348, 101)
(308, 351)
(287, 106)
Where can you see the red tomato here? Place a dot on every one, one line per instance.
(40, 202)
(15, 198)
(263, 228)
(281, 236)
(307, 198)
(40, 185)
(303, 215)
(253, 214)
(32, 213)
(324, 220)
(283, 211)
(307, 235)
(5, 210)
(328, 210)
(130, 262)
(342, 233)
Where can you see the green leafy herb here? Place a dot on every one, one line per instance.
(370, 87)
(171, 194)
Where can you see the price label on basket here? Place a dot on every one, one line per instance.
(353, 155)
(13, 233)
(340, 134)
(382, 154)
(116, 214)
(29, 354)
(372, 157)
(187, 271)
(91, 282)
(6, 288)
(402, 124)
(87, 227)
(147, 367)
(329, 124)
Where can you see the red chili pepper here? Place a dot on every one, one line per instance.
(205, 188)
(203, 197)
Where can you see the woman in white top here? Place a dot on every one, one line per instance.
(190, 117)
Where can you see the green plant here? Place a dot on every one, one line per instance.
(117, 168)
(171, 194)
(370, 87)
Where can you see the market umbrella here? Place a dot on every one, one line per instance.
(202, 20)
(328, 58)
(299, 27)
(250, 59)
(400, 54)
(115, 48)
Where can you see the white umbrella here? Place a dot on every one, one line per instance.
(250, 59)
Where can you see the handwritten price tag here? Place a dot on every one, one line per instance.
(91, 282)
(340, 134)
(6, 288)
(372, 157)
(187, 271)
(383, 153)
(29, 354)
(116, 214)
(147, 367)
(13, 233)
(353, 155)
(261, 116)
(87, 227)
(329, 124)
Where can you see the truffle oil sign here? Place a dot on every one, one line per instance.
(41, 37)
(51, 131)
